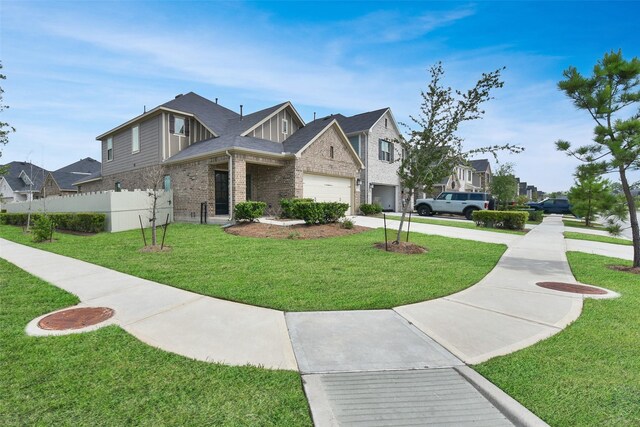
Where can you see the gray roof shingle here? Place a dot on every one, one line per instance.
(86, 165)
(480, 165)
(86, 178)
(359, 122)
(226, 142)
(35, 173)
(214, 116)
(237, 126)
(302, 136)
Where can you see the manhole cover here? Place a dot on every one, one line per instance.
(75, 318)
(571, 287)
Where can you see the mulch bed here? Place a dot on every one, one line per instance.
(407, 248)
(295, 232)
(156, 248)
(625, 268)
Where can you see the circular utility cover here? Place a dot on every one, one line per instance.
(75, 318)
(572, 287)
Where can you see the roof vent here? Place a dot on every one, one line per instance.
(178, 96)
(240, 111)
(216, 100)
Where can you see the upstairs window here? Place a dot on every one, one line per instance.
(135, 139)
(285, 126)
(355, 143)
(469, 176)
(385, 151)
(178, 125)
(109, 149)
(331, 151)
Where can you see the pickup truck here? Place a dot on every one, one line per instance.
(454, 202)
(557, 206)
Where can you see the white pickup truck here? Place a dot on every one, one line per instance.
(454, 202)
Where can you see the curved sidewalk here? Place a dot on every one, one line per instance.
(505, 311)
(175, 320)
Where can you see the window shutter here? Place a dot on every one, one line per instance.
(172, 123)
(391, 150)
(380, 155)
(186, 126)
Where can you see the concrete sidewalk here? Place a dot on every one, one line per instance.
(172, 319)
(505, 311)
(598, 248)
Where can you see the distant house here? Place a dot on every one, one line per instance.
(481, 174)
(61, 181)
(22, 182)
(214, 158)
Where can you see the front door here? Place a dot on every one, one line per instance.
(222, 192)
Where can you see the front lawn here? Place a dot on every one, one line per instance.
(588, 374)
(597, 238)
(581, 224)
(108, 377)
(458, 224)
(341, 273)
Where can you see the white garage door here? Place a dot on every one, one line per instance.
(327, 189)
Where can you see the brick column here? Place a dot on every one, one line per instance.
(238, 180)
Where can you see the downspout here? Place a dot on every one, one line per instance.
(230, 184)
(366, 168)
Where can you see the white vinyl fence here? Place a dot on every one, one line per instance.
(122, 208)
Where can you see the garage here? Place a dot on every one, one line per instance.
(324, 188)
(385, 196)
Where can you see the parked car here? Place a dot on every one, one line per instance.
(455, 202)
(556, 206)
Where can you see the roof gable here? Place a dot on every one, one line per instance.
(15, 169)
(360, 122)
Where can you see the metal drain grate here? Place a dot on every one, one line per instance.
(571, 287)
(75, 318)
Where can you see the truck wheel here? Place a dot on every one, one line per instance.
(468, 213)
(424, 210)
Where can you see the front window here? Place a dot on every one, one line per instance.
(469, 176)
(355, 143)
(166, 183)
(118, 186)
(385, 151)
(109, 149)
(178, 128)
(135, 139)
(285, 126)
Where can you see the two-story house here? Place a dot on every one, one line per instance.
(21, 182)
(481, 174)
(374, 137)
(211, 154)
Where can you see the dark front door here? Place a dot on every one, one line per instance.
(222, 192)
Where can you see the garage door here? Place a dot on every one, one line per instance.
(327, 189)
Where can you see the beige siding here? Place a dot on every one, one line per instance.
(272, 128)
(173, 144)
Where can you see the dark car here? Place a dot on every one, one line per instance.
(556, 206)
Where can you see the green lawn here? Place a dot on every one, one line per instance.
(589, 374)
(342, 273)
(457, 224)
(597, 238)
(107, 377)
(580, 224)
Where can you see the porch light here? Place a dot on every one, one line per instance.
(358, 182)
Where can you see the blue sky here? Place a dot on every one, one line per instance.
(77, 69)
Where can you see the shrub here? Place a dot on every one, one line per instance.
(511, 220)
(347, 224)
(535, 216)
(288, 207)
(42, 228)
(319, 212)
(81, 222)
(370, 208)
(249, 211)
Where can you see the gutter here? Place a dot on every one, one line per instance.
(230, 185)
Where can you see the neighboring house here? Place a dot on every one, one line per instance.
(481, 174)
(373, 136)
(461, 179)
(61, 181)
(22, 182)
(215, 158)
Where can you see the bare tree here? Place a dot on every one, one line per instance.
(153, 179)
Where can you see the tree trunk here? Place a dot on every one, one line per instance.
(587, 220)
(153, 220)
(405, 209)
(633, 217)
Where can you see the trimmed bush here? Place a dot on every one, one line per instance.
(511, 220)
(81, 222)
(42, 228)
(319, 212)
(249, 211)
(288, 207)
(370, 208)
(535, 215)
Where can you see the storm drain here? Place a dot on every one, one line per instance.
(392, 398)
(75, 318)
(572, 287)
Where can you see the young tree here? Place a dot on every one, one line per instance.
(610, 93)
(435, 148)
(504, 185)
(153, 179)
(591, 195)
(5, 129)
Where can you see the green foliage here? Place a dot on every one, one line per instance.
(511, 220)
(288, 207)
(347, 224)
(610, 96)
(591, 195)
(370, 208)
(42, 228)
(249, 211)
(504, 186)
(81, 222)
(319, 212)
(535, 216)
(5, 128)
